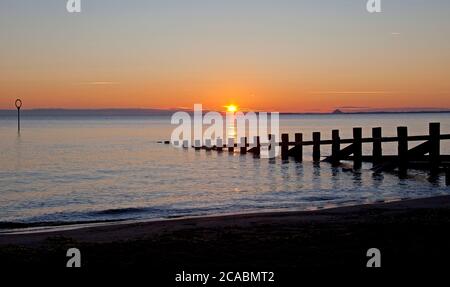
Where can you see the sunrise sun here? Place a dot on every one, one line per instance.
(231, 108)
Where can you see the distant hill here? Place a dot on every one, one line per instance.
(356, 110)
(87, 113)
(337, 111)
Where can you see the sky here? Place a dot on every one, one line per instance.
(262, 55)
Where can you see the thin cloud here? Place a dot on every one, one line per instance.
(352, 107)
(100, 83)
(351, 92)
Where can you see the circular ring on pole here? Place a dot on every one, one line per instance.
(18, 104)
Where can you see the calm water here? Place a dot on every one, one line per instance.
(89, 169)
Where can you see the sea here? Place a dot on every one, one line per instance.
(73, 169)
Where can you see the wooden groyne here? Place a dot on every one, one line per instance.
(426, 155)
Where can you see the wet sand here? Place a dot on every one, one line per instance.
(410, 234)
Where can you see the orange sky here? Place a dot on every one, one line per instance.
(290, 57)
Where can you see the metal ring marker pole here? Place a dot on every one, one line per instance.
(18, 104)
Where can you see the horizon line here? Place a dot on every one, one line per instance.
(167, 110)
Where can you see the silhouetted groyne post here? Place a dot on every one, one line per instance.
(271, 147)
(230, 145)
(435, 134)
(335, 147)
(257, 151)
(219, 145)
(316, 146)
(402, 134)
(298, 149)
(197, 145)
(377, 150)
(243, 145)
(285, 146)
(208, 144)
(357, 147)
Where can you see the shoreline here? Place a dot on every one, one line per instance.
(97, 231)
(412, 234)
(19, 228)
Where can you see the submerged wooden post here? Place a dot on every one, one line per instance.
(298, 147)
(357, 147)
(272, 146)
(243, 145)
(230, 145)
(285, 146)
(208, 144)
(258, 146)
(435, 133)
(335, 147)
(197, 145)
(402, 134)
(255, 147)
(377, 150)
(219, 145)
(269, 137)
(316, 146)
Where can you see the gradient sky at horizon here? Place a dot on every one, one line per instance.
(277, 55)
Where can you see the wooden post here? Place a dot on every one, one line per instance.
(219, 145)
(435, 133)
(316, 146)
(230, 145)
(243, 145)
(335, 147)
(285, 146)
(269, 137)
(298, 147)
(272, 146)
(377, 150)
(402, 134)
(197, 145)
(357, 147)
(208, 144)
(258, 146)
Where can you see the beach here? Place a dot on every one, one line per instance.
(410, 234)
